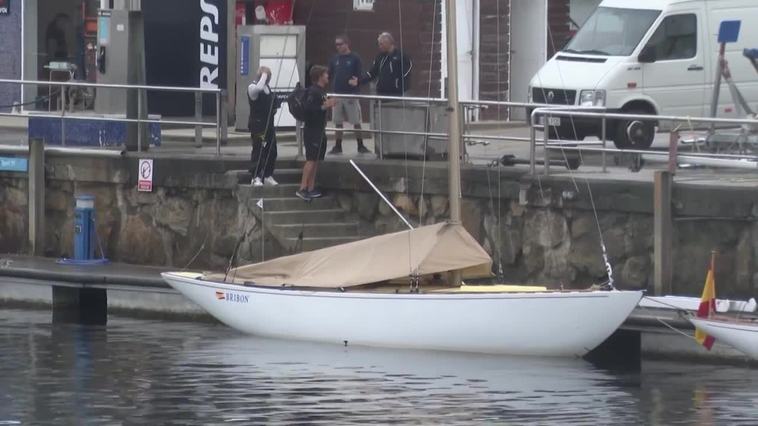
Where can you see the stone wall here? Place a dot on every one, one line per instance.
(189, 220)
(537, 230)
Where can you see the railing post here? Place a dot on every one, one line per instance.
(546, 138)
(63, 115)
(198, 118)
(36, 202)
(379, 135)
(224, 117)
(602, 130)
(218, 123)
(532, 147)
(662, 223)
(673, 151)
(139, 120)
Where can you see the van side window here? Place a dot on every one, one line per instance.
(675, 38)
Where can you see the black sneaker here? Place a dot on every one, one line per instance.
(303, 194)
(363, 150)
(336, 150)
(315, 193)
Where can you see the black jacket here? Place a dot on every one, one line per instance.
(262, 112)
(392, 73)
(315, 116)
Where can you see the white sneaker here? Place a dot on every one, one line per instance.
(257, 182)
(270, 181)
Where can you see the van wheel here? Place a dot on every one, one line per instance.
(634, 134)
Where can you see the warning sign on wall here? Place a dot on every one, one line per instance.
(145, 182)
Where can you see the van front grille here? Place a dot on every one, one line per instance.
(553, 96)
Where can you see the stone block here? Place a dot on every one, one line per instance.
(141, 243)
(546, 228)
(366, 205)
(439, 205)
(345, 201)
(174, 213)
(471, 217)
(639, 235)
(635, 272)
(405, 204)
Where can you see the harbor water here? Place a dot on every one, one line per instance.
(137, 371)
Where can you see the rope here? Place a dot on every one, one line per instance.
(546, 128)
(428, 109)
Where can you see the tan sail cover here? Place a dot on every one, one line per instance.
(427, 250)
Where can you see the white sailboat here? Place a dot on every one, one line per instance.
(321, 296)
(742, 335)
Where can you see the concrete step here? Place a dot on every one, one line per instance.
(316, 230)
(295, 203)
(307, 216)
(309, 244)
(280, 191)
(283, 176)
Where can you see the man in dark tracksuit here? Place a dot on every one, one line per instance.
(263, 106)
(391, 69)
(314, 133)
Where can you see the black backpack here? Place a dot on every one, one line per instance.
(296, 102)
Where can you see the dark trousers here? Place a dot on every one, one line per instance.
(263, 156)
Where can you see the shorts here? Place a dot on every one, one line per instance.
(314, 140)
(347, 110)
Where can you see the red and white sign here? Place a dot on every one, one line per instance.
(145, 182)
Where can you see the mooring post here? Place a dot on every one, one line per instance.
(36, 201)
(198, 118)
(663, 229)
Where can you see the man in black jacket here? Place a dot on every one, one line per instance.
(263, 106)
(391, 69)
(314, 133)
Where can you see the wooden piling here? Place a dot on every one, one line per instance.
(36, 200)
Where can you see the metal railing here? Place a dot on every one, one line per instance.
(467, 135)
(671, 155)
(142, 118)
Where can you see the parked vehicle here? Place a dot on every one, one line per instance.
(647, 57)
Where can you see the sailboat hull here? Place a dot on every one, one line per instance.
(741, 336)
(544, 324)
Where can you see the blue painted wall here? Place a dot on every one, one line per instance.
(10, 54)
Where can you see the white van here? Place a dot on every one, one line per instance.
(649, 57)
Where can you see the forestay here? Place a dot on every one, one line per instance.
(422, 251)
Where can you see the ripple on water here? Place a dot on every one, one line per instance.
(153, 372)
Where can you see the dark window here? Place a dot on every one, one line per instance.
(675, 38)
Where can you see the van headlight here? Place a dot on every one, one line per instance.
(592, 98)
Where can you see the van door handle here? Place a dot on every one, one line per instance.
(695, 68)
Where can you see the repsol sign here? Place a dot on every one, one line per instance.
(185, 45)
(209, 44)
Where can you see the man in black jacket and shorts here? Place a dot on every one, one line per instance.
(344, 66)
(314, 133)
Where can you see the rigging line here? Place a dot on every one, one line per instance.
(497, 32)
(499, 217)
(422, 202)
(405, 137)
(546, 128)
(551, 38)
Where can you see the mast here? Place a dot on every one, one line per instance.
(454, 133)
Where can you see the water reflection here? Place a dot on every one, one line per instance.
(151, 372)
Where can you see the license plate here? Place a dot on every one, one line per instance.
(551, 121)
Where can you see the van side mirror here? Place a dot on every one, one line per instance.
(647, 56)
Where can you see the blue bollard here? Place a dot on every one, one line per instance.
(84, 232)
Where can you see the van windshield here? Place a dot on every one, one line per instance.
(612, 31)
